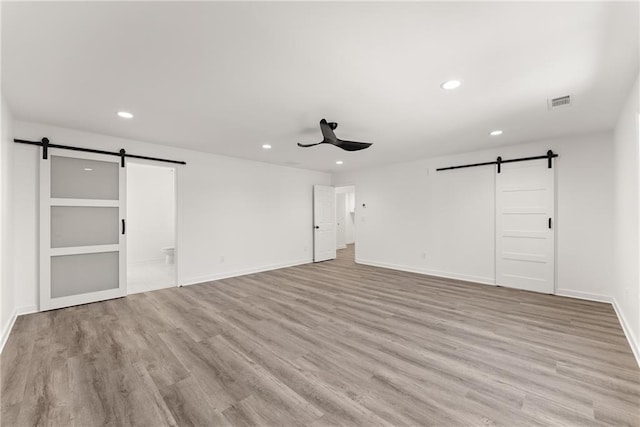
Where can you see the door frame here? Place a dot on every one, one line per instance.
(177, 213)
(46, 252)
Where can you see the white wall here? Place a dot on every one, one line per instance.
(257, 216)
(626, 287)
(442, 223)
(26, 225)
(150, 212)
(7, 283)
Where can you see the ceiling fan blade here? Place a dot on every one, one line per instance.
(310, 145)
(352, 145)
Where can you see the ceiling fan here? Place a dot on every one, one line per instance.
(330, 138)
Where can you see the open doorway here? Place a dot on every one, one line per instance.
(151, 227)
(345, 221)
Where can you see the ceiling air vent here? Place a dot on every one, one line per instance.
(563, 101)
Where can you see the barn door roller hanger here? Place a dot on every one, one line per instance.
(499, 161)
(45, 144)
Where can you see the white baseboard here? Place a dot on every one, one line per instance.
(583, 295)
(428, 272)
(7, 329)
(633, 343)
(19, 311)
(146, 261)
(226, 275)
(27, 309)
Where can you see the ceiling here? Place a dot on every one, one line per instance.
(227, 77)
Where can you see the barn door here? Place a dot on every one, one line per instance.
(525, 206)
(82, 229)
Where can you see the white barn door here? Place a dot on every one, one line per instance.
(82, 229)
(324, 223)
(525, 206)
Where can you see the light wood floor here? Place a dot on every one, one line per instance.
(333, 343)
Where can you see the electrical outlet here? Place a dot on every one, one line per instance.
(222, 258)
(424, 255)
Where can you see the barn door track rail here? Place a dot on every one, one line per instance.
(45, 144)
(499, 161)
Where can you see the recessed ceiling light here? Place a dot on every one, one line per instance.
(495, 132)
(88, 169)
(266, 146)
(451, 84)
(339, 162)
(125, 115)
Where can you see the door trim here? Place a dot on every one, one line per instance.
(177, 214)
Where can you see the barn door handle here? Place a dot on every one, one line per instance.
(123, 226)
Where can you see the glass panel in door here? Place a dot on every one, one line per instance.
(85, 273)
(84, 226)
(79, 178)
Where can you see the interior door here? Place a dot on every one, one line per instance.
(324, 219)
(82, 226)
(525, 206)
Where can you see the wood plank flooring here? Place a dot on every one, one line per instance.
(325, 344)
